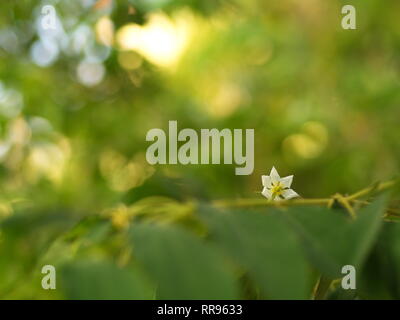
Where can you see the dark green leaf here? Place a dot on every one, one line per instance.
(84, 280)
(331, 240)
(182, 266)
(381, 275)
(264, 246)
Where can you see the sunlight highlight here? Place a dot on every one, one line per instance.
(162, 40)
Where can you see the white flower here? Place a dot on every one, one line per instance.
(277, 188)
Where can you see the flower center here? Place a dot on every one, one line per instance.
(277, 189)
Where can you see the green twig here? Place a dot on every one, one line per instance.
(346, 204)
(268, 203)
(321, 289)
(345, 201)
(379, 187)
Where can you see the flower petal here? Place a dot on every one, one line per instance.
(289, 194)
(266, 193)
(287, 181)
(274, 175)
(266, 181)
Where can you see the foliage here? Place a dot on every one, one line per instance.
(263, 253)
(76, 191)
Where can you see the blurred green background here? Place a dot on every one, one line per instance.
(76, 103)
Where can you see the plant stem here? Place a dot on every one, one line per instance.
(268, 203)
(346, 204)
(345, 201)
(375, 188)
(322, 288)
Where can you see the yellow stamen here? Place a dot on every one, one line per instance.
(277, 189)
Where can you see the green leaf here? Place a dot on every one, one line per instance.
(24, 237)
(380, 278)
(265, 247)
(331, 240)
(182, 265)
(83, 280)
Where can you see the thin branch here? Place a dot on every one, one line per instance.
(238, 203)
(382, 186)
(346, 204)
(322, 288)
(345, 201)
